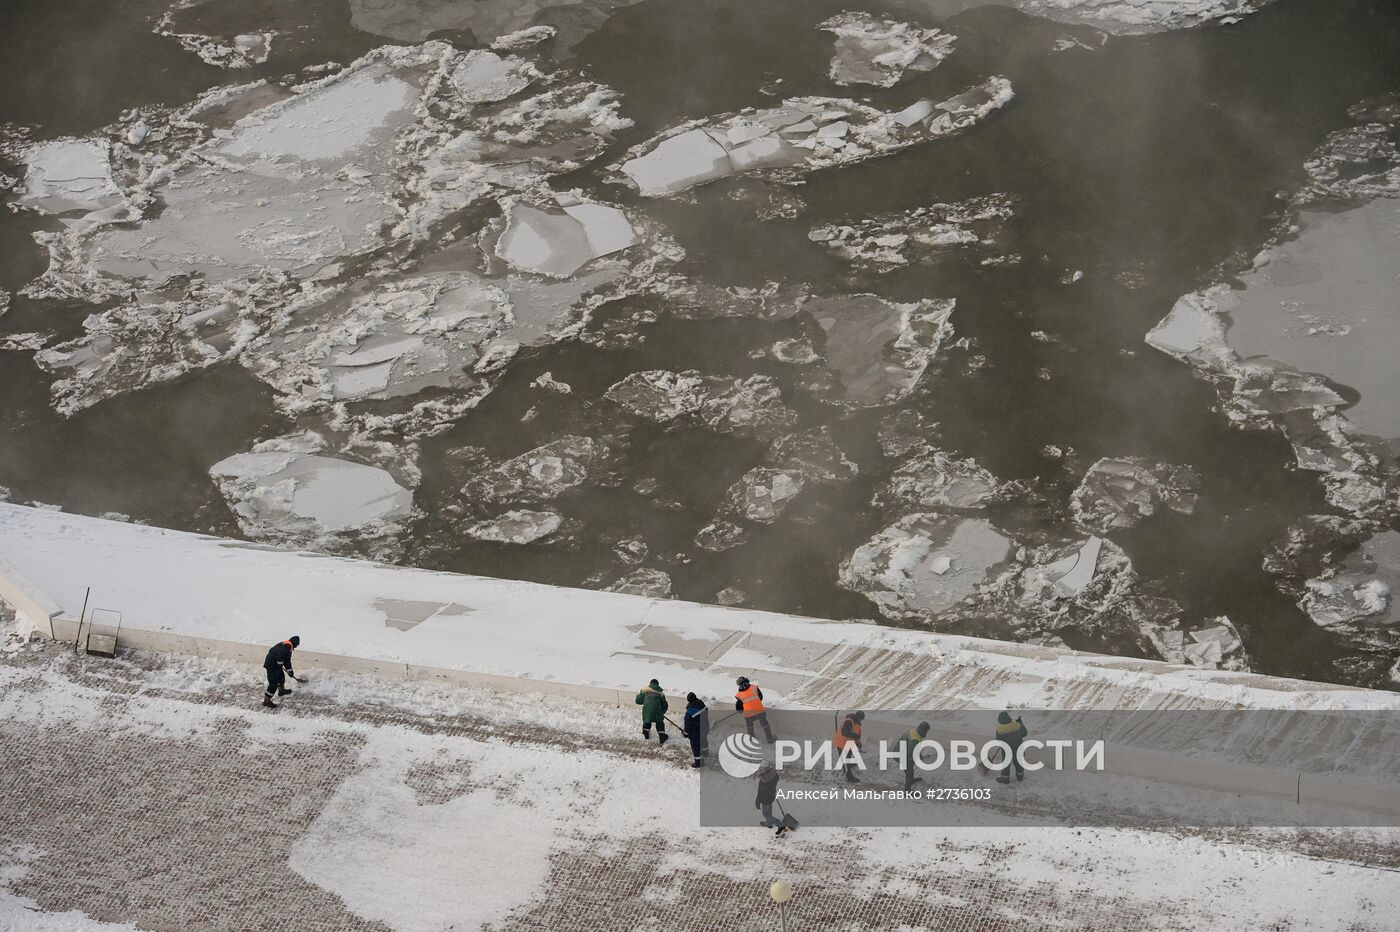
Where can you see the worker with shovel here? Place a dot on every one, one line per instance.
(697, 728)
(653, 702)
(278, 665)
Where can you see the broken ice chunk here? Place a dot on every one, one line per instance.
(762, 493)
(542, 473)
(559, 243)
(524, 38)
(69, 174)
(1118, 493)
(805, 134)
(878, 349)
(813, 454)
(750, 406)
(1214, 644)
(925, 564)
(303, 496)
(934, 479)
(484, 77)
(877, 50)
(652, 583)
(678, 163)
(1357, 599)
(516, 527)
(720, 535)
(1071, 574)
(925, 234)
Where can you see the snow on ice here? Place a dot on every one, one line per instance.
(924, 564)
(66, 175)
(519, 526)
(648, 582)
(878, 50)
(302, 497)
(752, 406)
(277, 209)
(976, 226)
(933, 479)
(804, 134)
(1311, 314)
(540, 474)
(1119, 493)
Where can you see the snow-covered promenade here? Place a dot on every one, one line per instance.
(188, 593)
(459, 761)
(222, 599)
(150, 793)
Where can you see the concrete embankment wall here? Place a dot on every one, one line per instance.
(1127, 761)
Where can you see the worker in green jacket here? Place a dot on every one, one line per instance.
(653, 702)
(907, 744)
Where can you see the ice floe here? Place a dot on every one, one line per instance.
(878, 50)
(1344, 575)
(813, 455)
(540, 474)
(559, 242)
(512, 21)
(804, 134)
(762, 493)
(65, 175)
(645, 581)
(1316, 313)
(1214, 644)
(1137, 17)
(752, 406)
(241, 51)
(925, 564)
(520, 526)
(301, 498)
(976, 226)
(933, 480)
(270, 199)
(877, 349)
(1120, 492)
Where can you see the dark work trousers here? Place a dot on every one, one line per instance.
(762, 719)
(660, 728)
(697, 746)
(276, 679)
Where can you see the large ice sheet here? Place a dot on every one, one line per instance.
(299, 495)
(68, 174)
(878, 50)
(802, 135)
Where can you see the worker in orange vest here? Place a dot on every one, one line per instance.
(749, 700)
(847, 733)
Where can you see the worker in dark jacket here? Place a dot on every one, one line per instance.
(849, 733)
(1011, 732)
(696, 727)
(767, 795)
(278, 665)
(653, 702)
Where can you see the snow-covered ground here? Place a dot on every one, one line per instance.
(374, 804)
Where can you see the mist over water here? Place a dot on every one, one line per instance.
(1154, 165)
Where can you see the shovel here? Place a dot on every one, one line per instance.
(789, 823)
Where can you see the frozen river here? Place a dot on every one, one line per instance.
(1052, 321)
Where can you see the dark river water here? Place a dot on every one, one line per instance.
(1148, 164)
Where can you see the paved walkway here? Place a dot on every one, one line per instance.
(153, 791)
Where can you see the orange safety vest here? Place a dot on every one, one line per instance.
(290, 644)
(752, 704)
(842, 740)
